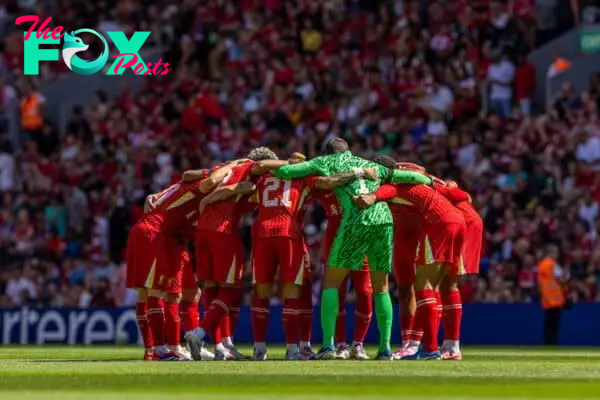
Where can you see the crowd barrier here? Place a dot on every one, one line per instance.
(483, 324)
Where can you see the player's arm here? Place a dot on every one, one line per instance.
(298, 170)
(342, 179)
(412, 177)
(226, 192)
(193, 175)
(412, 167)
(215, 178)
(261, 167)
(383, 193)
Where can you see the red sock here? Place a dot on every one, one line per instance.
(340, 323)
(218, 309)
(306, 312)
(225, 326)
(363, 314)
(234, 313)
(407, 323)
(290, 318)
(452, 309)
(438, 299)
(209, 295)
(141, 309)
(426, 319)
(156, 320)
(189, 314)
(260, 319)
(172, 323)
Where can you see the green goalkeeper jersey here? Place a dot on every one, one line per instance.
(337, 163)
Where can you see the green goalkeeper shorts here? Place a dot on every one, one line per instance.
(353, 242)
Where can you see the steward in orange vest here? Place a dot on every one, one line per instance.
(551, 283)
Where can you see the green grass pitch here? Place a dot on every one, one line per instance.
(67, 373)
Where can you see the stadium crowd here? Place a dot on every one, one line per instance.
(391, 77)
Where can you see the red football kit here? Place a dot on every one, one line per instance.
(474, 228)
(471, 253)
(219, 249)
(408, 229)
(277, 233)
(156, 244)
(443, 225)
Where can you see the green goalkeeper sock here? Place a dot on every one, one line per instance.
(329, 312)
(385, 317)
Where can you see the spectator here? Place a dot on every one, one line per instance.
(7, 167)
(525, 81)
(500, 77)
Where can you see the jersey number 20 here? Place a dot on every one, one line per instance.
(270, 197)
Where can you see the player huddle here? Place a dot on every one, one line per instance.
(380, 215)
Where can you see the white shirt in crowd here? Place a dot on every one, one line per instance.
(441, 99)
(466, 156)
(16, 287)
(502, 71)
(589, 150)
(7, 172)
(588, 212)
(437, 128)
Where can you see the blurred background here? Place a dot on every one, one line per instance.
(500, 95)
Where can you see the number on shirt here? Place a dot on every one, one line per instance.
(362, 186)
(165, 194)
(272, 185)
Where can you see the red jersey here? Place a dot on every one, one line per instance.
(280, 206)
(330, 204)
(175, 209)
(453, 194)
(403, 212)
(224, 217)
(432, 206)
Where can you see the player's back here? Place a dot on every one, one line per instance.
(224, 216)
(175, 209)
(433, 206)
(330, 204)
(404, 213)
(280, 206)
(352, 214)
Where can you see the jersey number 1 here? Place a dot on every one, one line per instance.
(273, 185)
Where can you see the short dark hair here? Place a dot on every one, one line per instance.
(386, 161)
(336, 145)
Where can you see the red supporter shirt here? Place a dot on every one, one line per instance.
(433, 207)
(524, 81)
(280, 206)
(175, 209)
(224, 217)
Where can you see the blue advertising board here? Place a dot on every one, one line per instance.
(483, 324)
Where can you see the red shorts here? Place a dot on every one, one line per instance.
(442, 244)
(328, 242)
(406, 241)
(285, 252)
(307, 263)
(471, 253)
(154, 260)
(219, 257)
(188, 277)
